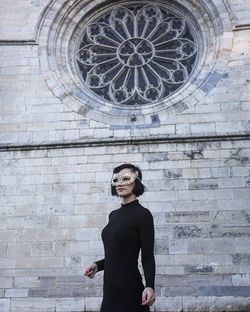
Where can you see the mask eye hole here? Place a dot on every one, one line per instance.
(126, 179)
(115, 180)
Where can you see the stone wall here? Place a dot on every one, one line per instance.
(55, 202)
(56, 163)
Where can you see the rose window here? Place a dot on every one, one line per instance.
(137, 54)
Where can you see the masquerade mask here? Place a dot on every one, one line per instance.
(124, 178)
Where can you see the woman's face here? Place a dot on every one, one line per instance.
(125, 190)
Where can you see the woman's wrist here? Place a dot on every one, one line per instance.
(150, 288)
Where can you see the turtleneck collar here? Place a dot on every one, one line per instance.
(132, 203)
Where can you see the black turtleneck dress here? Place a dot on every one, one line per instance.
(129, 230)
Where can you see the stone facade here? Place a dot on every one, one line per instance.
(58, 151)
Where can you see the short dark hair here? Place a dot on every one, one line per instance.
(139, 188)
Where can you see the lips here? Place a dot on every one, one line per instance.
(120, 189)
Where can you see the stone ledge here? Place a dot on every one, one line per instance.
(18, 42)
(122, 141)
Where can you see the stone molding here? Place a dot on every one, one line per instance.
(116, 142)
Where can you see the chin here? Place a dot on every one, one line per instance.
(123, 195)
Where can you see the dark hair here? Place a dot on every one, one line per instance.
(139, 187)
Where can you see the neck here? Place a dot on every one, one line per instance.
(128, 199)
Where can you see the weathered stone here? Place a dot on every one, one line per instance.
(243, 259)
(198, 269)
(219, 291)
(69, 304)
(187, 231)
(16, 292)
(59, 147)
(4, 305)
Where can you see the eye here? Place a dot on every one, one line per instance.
(126, 178)
(115, 180)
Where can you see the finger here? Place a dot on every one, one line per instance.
(145, 299)
(148, 300)
(88, 273)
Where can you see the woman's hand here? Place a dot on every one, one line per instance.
(148, 297)
(90, 270)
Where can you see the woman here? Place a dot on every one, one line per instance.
(129, 230)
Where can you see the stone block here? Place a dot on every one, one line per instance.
(87, 234)
(16, 292)
(241, 279)
(227, 291)
(6, 281)
(95, 220)
(70, 304)
(7, 263)
(161, 246)
(77, 248)
(92, 304)
(170, 291)
(178, 246)
(198, 269)
(18, 249)
(173, 270)
(187, 231)
(203, 260)
(170, 304)
(72, 221)
(202, 184)
(15, 223)
(242, 259)
(160, 156)
(221, 279)
(42, 249)
(38, 292)
(32, 305)
(224, 245)
(26, 281)
(200, 246)
(242, 245)
(3, 250)
(242, 304)
(4, 305)
(223, 303)
(196, 304)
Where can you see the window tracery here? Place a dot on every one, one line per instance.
(137, 54)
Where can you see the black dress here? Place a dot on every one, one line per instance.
(130, 228)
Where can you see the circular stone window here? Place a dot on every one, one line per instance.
(133, 63)
(136, 54)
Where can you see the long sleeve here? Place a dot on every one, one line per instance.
(101, 263)
(147, 235)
